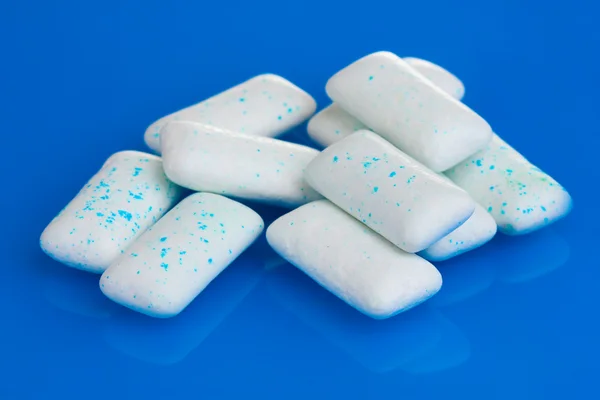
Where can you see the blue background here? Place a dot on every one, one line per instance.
(80, 80)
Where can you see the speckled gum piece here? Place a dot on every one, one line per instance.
(127, 195)
(207, 158)
(387, 95)
(333, 123)
(520, 196)
(387, 190)
(266, 105)
(352, 261)
(173, 261)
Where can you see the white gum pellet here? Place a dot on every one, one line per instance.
(352, 261)
(333, 123)
(518, 195)
(170, 264)
(387, 95)
(206, 158)
(266, 105)
(123, 199)
(389, 191)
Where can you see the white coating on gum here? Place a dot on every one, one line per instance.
(387, 190)
(521, 197)
(124, 198)
(206, 158)
(387, 95)
(352, 261)
(173, 261)
(265, 105)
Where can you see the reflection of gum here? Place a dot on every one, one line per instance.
(77, 292)
(379, 345)
(532, 256)
(464, 277)
(273, 262)
(169, 341)
(451, 351)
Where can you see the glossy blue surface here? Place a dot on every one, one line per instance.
(517, 319)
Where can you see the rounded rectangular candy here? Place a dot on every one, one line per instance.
(352, 261)
(170, 264)
(333, 123)
(123, 199)
(266, 105)
(207, 158)
(389, 96)
(389, 191)
(520, 196)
